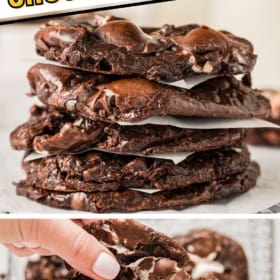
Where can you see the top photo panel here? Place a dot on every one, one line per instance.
(166, 108)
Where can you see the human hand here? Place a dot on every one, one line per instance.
(64, 238)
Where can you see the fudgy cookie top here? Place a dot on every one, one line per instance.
(107, 44)
(208, 246)
(133, 99)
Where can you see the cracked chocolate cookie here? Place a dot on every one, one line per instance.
(142, 253)
(134, 99)
(100, 172)
(132, 200)
(209, 249)
(110, 45)
(52, 131)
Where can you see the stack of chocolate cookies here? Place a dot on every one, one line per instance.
(116, 134)
(146, 254)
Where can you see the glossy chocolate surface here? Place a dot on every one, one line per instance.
(106, 44)
(52, 131)
(134, 99)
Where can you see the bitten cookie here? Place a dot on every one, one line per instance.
(142, 253)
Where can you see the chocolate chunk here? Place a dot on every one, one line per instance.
(110, 45)
(49, 130)
(268, 136)
(206, 246)
(132, 201)
(98, 172)
(142, 253)
(134, 99)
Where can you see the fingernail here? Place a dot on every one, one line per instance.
(106, 266)
(31, 245)
(18, 245)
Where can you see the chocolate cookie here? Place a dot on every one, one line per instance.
(135, 99)
(132, 200)
(49, 130)
(206, 246)
(268, 136)
(110, 45)
(98, 172)
(142, 253)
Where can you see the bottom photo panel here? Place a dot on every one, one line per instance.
(150, 249)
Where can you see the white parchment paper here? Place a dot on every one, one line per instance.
(204, 123)
(190, 123)
(191, 82)
(175, 157)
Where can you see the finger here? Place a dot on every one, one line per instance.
(31, 247)
(14, 230)
(20, 252)
(80, 249)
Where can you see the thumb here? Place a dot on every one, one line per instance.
(80, 249)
